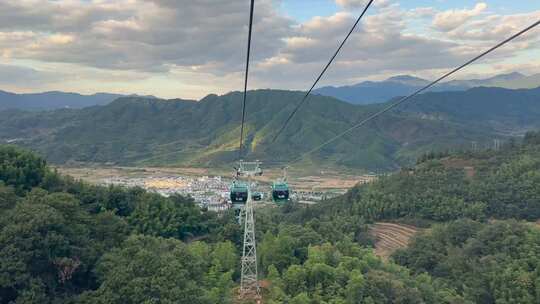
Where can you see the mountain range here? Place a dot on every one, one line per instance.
(145, 131)
(54, 100)
(376, 92)
(367, 92)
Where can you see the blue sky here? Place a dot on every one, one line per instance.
(303, 10)
(193, 48)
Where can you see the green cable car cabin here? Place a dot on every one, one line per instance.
(257, 196)
(239, 193)
(280, 192)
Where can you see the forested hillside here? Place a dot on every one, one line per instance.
(486, 263)
(480, 210)
(478, 185)
(505, 112)
(138, 131)
(64, 241)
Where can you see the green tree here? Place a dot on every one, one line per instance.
(47, 246)
(295, 279)
(160, 216)
(301, 298)
(8, 198)
(20, 168)
(150, 269)
(355, 289)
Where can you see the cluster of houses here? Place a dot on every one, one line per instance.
(210, 193)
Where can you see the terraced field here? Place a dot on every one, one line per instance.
(390, 237)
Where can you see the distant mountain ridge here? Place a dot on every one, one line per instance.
(369, 92)
(142, 131)
(54, 100)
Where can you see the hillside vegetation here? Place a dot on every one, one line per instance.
(477, 185)
(138, 131)
(485, 263)
(476, 248)
(63, 241)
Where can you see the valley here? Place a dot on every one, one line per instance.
(210, 187)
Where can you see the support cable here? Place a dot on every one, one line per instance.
(246, 79)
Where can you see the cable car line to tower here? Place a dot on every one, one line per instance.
(407, 98)
(322, 73)
(246, 79)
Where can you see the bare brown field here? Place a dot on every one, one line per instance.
(390, 236)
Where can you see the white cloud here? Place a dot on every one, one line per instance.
(421, 12)
(143, 35)
(378, 44)
(352, 3)
(451, 19)
(497, 27)
(356, 4)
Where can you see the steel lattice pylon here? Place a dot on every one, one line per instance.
(249, 284)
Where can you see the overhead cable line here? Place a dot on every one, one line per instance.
(246, 79)
(404, 99)
(323, 71)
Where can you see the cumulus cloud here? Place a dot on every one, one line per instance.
(451, 19)
(355, 4)
(351, 3)
(379, 44)
(497, 27)
(141, 35)
(421, 12)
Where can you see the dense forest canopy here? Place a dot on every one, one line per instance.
(478, 185)
(485, 263)
(66, 241)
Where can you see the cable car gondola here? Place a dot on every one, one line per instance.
(257, 196)
(280, 192)
(239, 193)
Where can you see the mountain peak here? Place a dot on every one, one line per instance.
(509, 76)
(408, 80)
(404, 78)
